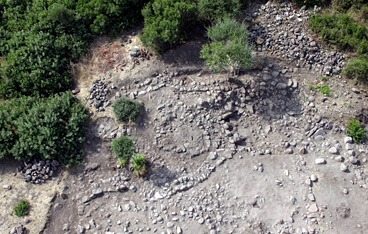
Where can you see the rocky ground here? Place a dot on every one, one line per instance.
(260, 154)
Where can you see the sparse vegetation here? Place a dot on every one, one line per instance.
(324, 89)
(355, 130)
(342, 31)
(324, 78)
(123, 147)
(357, 69)
(21, 208)
(139, 164)
(126, 110)
(229, 49)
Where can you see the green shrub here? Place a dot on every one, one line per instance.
(342, 31)
(324, 78)
(357, 68)
(123, 147)
(324, 89)
(126, 109)
(34, 66)
(312, 3)
(164, 22)
(230, 49)
(103, 16)
(216, 9)
(139, 164)
(21, 208)
(355, 130)
(46, 128)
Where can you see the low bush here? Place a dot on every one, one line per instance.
(126, 110)
(342, 31)
(217, 9)
(139, 164)
(42, 128)
(355, 130)
(123, 147)
(229, 49)
(312, 3)
(103, 16)
(164, 22)
(21, 208)
(324, 89)
(357, 69)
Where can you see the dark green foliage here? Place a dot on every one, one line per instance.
(48, 128)
(311, 3)
(35, 67)
(106, 16)
(123, 147)
(355, 130)
(357, 68)
(21, 208)
(230, 49)
(341, 31)
(164, 22)
(216, 9)
(344, 5)
(126, 110)
(40, 37)
(139, 164)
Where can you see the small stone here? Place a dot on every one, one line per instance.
(170, 224)
(355, 90)
(58, 206)
(343, 167)
(348, 140)
(333, 150)
(313, 178)
(339, 159)
(7, 186)
(311, 197)
(313, 208)
(320, 161)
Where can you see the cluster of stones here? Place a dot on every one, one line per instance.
(282, 31)
(38, 172)
(18, 230)
(98, 95)
(139, 54)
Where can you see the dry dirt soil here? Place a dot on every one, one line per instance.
(262, 153)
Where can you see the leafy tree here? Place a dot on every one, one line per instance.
(106, 16)
(229, 49)
(216, 9)
(35, 66)
(46, 128)
(164, 22)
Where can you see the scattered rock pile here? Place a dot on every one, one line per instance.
(18, 230)
(280, 29)
(38, 172)
(98, 95)
(139, 54)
